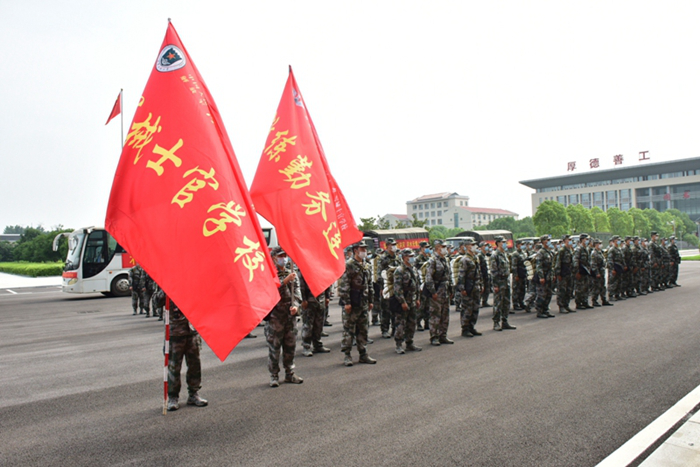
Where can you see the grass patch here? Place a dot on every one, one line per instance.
(690, 258)
(22, 268)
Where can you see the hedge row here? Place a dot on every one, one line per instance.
(32, 269)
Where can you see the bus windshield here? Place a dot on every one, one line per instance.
(75, 246)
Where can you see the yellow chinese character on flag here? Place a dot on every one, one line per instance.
(141, 134)
(185, 195)
(232, 213)
(318, 204)
(252, 257)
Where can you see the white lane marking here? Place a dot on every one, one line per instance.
(11, 291)
(633, 448)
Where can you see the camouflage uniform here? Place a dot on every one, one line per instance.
(485, 278)
(666, 265)
(149, 287)
(388, 260)
(137, 280)
(656, 265)
(469, 282)
(281, 326)
(598, 276)
(406, 290)
(563, 271)
(423, 311)
(581, 268)
(157, 310)
(500, 273)
(644, 269)
(438, 281)
(184, 343)
(543, 270)
(517, 261)
(630, 269)
(355, 289)
(312, 316)
(616, 261)
(676, 260)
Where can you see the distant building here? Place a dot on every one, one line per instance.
(394, 219)
(661, 186)
(10, 238)
(453, 211)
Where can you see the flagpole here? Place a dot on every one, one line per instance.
(121, 112)
(166, 351)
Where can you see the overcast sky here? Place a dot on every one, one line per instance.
(409, 98)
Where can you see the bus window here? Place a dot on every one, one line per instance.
(111, 247)
(75, 246)
(94, 257)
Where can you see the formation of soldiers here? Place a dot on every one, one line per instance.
(404, 291)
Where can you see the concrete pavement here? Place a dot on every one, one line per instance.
(11, 281)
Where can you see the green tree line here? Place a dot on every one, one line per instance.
(555, 219)
(35, 245)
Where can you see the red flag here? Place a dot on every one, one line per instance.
(117, 109)
(294, 190)
(179, 205)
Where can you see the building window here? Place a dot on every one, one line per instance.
(611, 199)
(432, 221)
(573, 199)
(598, 199)
(625, 199)
(440, 221)
(439, 213)
(432, 205)
(432, 213)
(561, 200)
(586, 200)
(414, 207)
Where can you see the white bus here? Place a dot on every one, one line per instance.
(95, 263)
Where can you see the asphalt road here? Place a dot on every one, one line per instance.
(82, 385)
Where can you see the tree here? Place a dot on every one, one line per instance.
(401, 225)
(656, 224)
(416, 223)
(600, 220)
(503, 223)
(6, 251)
(37, 246)
(581, 219)
(684, 224)
(14, 229)
(383, 223)
(640, 223)
(367, 223)
(525, 227)
(437, 232)
(620, 222)
(551, 218)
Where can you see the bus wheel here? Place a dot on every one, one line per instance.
(120, 286)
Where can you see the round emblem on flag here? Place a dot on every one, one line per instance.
(170, 58)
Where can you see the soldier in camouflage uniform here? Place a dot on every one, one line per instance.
(388, 260)
(184, 343)
(581, 268)
(666, 261)
(563, 271)
(628, 274)
(355, 289)
(281, 326)
(544, 278)
(598, 270)
(500, 273)
(483, 255)
(149, 288)
(157, 310)
(675, 262)
(616, 267)
(644, 267)
(312, 316)
(519, 282)
(531, 294)
(454, 262)
(469, 288)
(406, 300)
(377, 283)
(656, 262)
(137, 284)
(423, 312)
(438, 286)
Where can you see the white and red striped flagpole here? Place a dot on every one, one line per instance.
(167, 354)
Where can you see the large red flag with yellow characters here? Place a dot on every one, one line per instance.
(180, 206)
(294, 190)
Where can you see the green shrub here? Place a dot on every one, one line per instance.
(33, 269)
(691, 238)
(690, 258)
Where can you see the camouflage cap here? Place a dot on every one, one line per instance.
(277, 251)
(390, 241)
(565, 237)
(635, 238)
(654, 232)
(499, 238)
(407, 252)
(424, 244)
(672, 237)
(628, 237)
(438, 242)
(615, 237)
(596, 241)
(483, 244)
(360, 244)
(468, 241)
(583, 235)
(519, 241)
(544, 238)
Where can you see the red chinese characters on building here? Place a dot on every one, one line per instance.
(571, 166)
(617, 159)
(595, 163)
(643, 155)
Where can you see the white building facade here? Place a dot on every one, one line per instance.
(453, 211)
